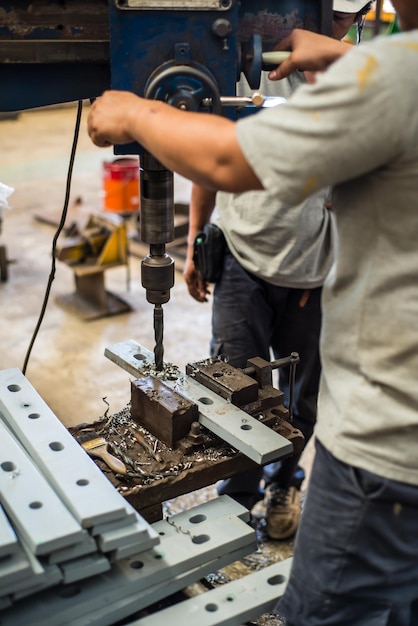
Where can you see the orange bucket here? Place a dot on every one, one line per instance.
(121, 185)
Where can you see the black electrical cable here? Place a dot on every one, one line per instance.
(57, 234)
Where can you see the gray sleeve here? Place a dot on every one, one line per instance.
(345, 125)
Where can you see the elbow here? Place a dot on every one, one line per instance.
(234, 176)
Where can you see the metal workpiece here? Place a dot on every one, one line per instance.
(68, 468)
(239, 429)
(193, 544)
(134, 564)
(8, 539)
(231, 604)
(30, 502)
(14, 569)
(161, 410)
(46, 473)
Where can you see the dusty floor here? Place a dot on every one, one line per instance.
(67, 364)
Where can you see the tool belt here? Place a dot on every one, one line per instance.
(209, 249)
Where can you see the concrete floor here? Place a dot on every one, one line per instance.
(67, 364)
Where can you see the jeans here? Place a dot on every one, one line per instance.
(250, 317)
(356, 550)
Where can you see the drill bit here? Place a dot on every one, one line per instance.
(158, 334)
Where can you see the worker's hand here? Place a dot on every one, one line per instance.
(309, 52)
(111, 117)
(198, 288)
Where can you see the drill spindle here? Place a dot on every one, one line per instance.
(157, 229)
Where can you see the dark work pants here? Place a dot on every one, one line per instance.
(356, 550)
(250, 316)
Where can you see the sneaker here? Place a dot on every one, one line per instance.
(259, 510)
(282, 511)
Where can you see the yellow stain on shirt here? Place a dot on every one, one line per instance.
(316, 117)
(412, 45)
(310, 186)
(366, 72)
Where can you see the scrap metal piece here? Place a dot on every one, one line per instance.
(147, 446)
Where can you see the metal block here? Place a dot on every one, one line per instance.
(231, 604)
(31, 503)
(240, 430)
(84, 567)
(75, 477)
(137, 532)
(186, 550)
(52, 576)
(225, 380)
(8, 539)
(39, 577)
(87, 546)
(262, 370)
(161, 410)
(5, 602)
(188, 521)
(14, 569)
(129, 519)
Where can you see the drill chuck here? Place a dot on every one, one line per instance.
(157, 277)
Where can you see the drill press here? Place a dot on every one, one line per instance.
(187, 53)
(157, 229)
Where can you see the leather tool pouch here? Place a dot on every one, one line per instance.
(209, 250)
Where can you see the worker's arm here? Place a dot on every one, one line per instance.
(202, 203)
(201, 147)
(309, 52)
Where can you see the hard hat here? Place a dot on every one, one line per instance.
(349, 6)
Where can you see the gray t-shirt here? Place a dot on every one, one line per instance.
(357, 129)
(288, 246)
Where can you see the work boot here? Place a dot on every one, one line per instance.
(282, 511)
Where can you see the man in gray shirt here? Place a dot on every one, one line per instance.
(355, 129)
(268, 297)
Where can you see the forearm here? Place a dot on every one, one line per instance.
(201, 147)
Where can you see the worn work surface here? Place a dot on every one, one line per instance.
(150, 482)
(155, 472)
